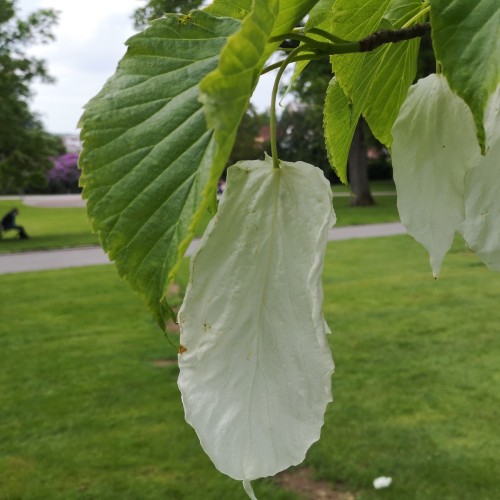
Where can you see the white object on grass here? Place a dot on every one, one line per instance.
(481, 229)
(382, 482)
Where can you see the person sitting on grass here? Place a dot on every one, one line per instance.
(9, 222)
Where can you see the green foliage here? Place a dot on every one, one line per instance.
(137, 136)
(375, 83)
(340, 122)
(246, 145)
(154, 9)
(225, 91)
(300, 136)
(300, 131)
(237, 9)
(146, 129)
(466, 37)
(24, 146)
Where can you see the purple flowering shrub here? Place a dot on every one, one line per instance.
(63, 177)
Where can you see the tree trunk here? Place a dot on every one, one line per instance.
(358, 170)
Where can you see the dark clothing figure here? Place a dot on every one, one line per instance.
(9, 222)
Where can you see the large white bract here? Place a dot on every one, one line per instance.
(255, 366)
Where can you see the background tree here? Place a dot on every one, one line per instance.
(306, 121)
(252, 138)
(299, 136)
(25, 147)
(156, 8)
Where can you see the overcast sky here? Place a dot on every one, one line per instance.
(89, 42)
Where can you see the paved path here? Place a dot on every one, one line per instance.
(48, 200)
(75, 200)
(91, 256)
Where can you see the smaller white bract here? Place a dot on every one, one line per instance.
(255, 367)
(443, 183)
(481, 228)
(434, 144)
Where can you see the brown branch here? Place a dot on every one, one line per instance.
(371, 42)
(382, 37)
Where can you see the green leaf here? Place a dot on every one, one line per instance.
(377, 82)
(290, 13)
(320, 16)
(339, 121)
(255, 368)
(150, 161)
(238, 9)
(466, 39)
(402, 9)
(147, 150)
(355, 19)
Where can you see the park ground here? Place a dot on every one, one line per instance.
(89, 406)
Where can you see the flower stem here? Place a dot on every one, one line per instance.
(272, 123)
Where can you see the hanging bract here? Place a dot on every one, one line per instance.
(434, 144)
(481, 228)
(255, 366)
(443, 183)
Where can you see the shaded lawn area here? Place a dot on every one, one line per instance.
(85, 413)
(385, 210)
(51, 228)
(47, 227)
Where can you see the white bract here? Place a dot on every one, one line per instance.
(255, 366)
(434, 144)
(443, 183)
(481, 229)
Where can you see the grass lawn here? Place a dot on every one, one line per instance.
(86, 413)
(47, 228)
(385, 210)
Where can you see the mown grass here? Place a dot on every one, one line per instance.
(85, 412)
(385, 210)
(417, 384)
(47, 227)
